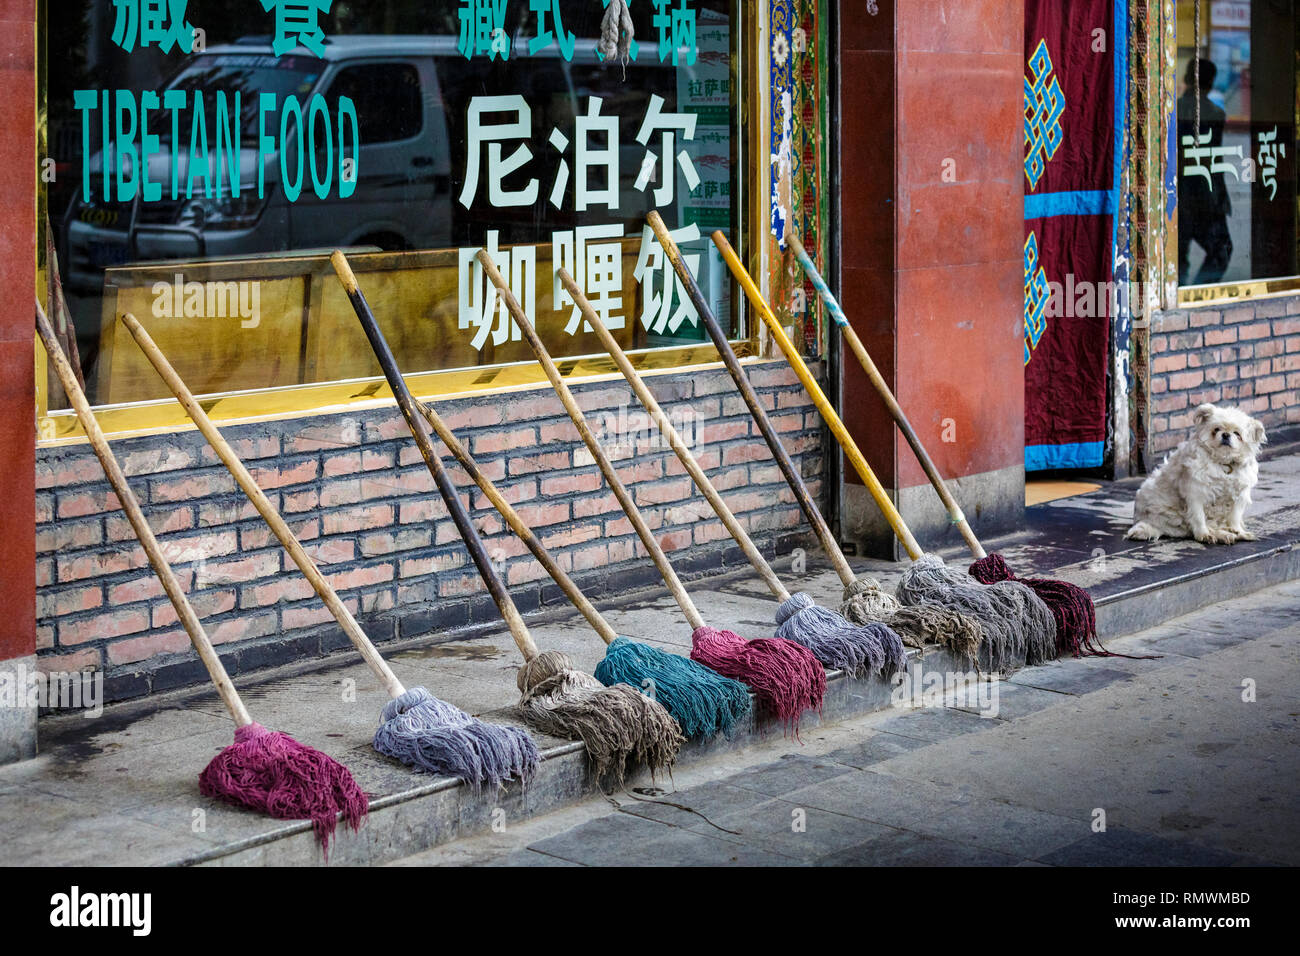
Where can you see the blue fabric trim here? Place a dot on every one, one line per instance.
(1084, 203)
(1084, 454)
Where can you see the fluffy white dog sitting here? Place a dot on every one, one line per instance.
(1203, 488)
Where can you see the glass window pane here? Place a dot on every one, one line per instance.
(1236, 175)
(415, 138)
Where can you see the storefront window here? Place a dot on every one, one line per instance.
(203, 190)
(1237, 173)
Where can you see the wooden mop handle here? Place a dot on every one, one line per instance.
(792, 476)
(516, 523)
(674, 584)
(264, 507)
(810, 385)
(955, 513)
(420, 429)
(674, 439)
(116, 478)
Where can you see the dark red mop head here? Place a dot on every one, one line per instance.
(786, 677)
(271, 772)
(1076, 617)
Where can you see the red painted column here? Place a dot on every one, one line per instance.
(17, 384)
(931, 260)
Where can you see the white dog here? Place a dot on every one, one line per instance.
(1203, 488)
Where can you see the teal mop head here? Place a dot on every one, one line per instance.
(703, 701)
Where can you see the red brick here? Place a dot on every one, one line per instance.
(81, 503)
(60, 601)
(287, 588)
(86, 659)
(215, 514)
(1273, 383)
(326, 552)
(753, 451)
(415, 481)
(63, 474)
(1239, 313)
(386, 542)
(248, 568)
(597, 505)
(361, 577)
(68, 535)
(358, 519)
(1257, 330)
(118, 528)
(297, 501)
(570, 537)
(514, 493)
(136, 649)
(192, 487)
(79, 567)
(344, 492)
(146, 588)
(242, 627)
(542, 514)
(531, 464)
(569, 483)
(723, 431)
(325, 437)
(205, 604)
(521, 572)
(662, 491)
(310, 615)
(423, 510)
(112, 624)
(494, 442)
(296, 474)
(156, 461)
(1169, 363)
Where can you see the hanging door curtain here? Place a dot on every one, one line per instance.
(1074, 112)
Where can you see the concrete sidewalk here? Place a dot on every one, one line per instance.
(1184, 771)
(122, 788)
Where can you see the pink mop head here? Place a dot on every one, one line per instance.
(272, 772)
(787, 678)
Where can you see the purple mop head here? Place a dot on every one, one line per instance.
(271, 772)
(786, 677)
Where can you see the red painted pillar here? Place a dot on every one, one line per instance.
(17, 384)
(931, 260)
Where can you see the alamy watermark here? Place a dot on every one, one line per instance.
(231, 299)
(56, 690)
(918, 687)
(627, 433)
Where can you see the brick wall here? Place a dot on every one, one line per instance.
(355, 491)
(1246, 355)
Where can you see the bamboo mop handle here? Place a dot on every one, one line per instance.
(882, 387)
(675, 440)
(264, 507)
(831, 546)
(674, 584)
(424, 439)
(516, 523)
(116, 478)
(792, 476)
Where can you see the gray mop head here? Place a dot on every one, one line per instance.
(858, 650)
(1015, 620)
(437, 737)
(866, 601)
(616, 724)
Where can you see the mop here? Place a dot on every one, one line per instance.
(703, 702)
(1070, 605)
(415, 727)
(1009, 618)
(264, 770)
(618, 724)
(859, 651)
(785, 676)
(864, 599)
